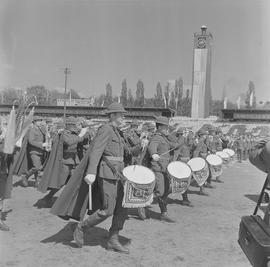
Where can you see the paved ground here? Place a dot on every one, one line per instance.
(205, 235)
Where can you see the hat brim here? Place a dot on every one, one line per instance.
(162, 123)
(114, 111)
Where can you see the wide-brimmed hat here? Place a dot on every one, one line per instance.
(202, 132)
(162, 120)
(115, 107)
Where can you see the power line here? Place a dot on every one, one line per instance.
(66, 72)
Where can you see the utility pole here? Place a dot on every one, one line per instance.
(66, 71)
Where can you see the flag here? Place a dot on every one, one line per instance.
(238, 101)
(251, 99)
(176, 102)
(225, 102)
(70, 95)
(165, 100)
(9, 142)
(27, 123)
(170, 96)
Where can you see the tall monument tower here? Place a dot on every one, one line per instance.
(201, 74)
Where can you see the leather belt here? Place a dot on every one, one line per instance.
(121, 159)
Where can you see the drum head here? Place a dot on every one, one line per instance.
(229, 151)
(179, 169)
(139, 174)
(214, 160)
(223, 155)
(196, 164)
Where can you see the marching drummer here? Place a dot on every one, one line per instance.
(159, 149)
(200, 150)
(214, 144)
(182, 154)
(107, 146)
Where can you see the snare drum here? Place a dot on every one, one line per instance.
(215, 165)
(231, 154)
(200, 170)
(138, 187)
(180, 174)
(225, 157)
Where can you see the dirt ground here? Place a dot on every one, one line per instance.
(204, 235)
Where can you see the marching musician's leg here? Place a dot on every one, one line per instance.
(37, 162)
(37, 165)
(3, 180)
(142, 213)
(186, 201)
(208, 182)
(109, 190)
(218, 179)
(202, 192)
(3, 226)
(118, 220)
(162, 191)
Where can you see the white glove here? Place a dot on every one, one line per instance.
(90, 178)
(83, 131)
(45, 144)
(144, 142)
(155, 157)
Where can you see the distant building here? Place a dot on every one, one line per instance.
(84, 102)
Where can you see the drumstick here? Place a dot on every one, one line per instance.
(167, 152)
(90, 197)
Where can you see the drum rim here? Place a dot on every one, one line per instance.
(214, 155)
(197, 158)
(184, 164)
(231, 150)
(143, 167)
(223, 153)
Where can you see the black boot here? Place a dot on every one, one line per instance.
(218, 180)
(142, 213)
(78, 235)
(202, 192)
(185, 201)
(114, 244)
(3, 226)
(208, 185)
(165, 218)
(91, 221)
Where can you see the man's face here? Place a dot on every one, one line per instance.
(163, 129)
(118, 118)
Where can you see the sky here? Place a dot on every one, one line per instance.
(108, 41)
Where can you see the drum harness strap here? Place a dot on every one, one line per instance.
(117, 174)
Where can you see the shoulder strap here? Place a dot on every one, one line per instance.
(117, 174)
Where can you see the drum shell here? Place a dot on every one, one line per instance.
(215, 169)
(179, 185)
(137, 194)
(201, 175)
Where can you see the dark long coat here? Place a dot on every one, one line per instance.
(53, 169)
(73, 201)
